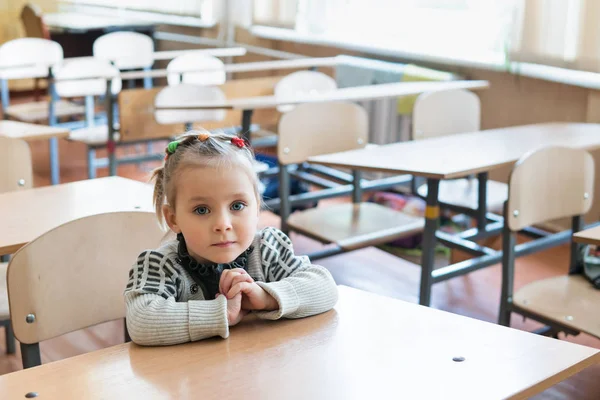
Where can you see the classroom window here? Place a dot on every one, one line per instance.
(204, 9)
(437, 26)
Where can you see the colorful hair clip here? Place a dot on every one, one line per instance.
(238, 142)
(171, 148)
(203, 137)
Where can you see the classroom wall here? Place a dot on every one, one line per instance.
(10, 16)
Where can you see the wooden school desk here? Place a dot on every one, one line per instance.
(357, 93)
(368, 347)
(26, 214)
(458, 156)
(588, 236)
(28, 132)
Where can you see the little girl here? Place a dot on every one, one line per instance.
(220, 267)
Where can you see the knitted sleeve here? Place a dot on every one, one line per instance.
(153, 314)
(300, 288)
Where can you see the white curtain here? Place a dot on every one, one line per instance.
(559, 33)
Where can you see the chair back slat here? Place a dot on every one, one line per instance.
(446, 112)
(321, 128)
(550, 183)
(16, 171)
(74, 276)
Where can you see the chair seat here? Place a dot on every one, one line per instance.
(38, 111)
(465, 193)
(352, 226)
(570, 300)
(4, 311)
(92, 136)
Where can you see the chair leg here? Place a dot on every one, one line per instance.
(508, 273)
(91, 160)
(30, 354)
(284, 191)
(10, 338)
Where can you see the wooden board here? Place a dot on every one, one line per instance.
(356, 93)
(588, 236)
(361, 349)
(26, 131)
(26, 214)
(39, 111)
(569, 300)
(137, 110)
(459, 155)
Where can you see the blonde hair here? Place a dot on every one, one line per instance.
(200, 149)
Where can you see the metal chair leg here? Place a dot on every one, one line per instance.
(10, 338)
(30, 354)
(91, 160)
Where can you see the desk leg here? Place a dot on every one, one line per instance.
(482, 178)
(246, 121)
(111, 145)
(576, 267)
(432, 218)
(54, 161)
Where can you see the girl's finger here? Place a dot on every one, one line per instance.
(225, 281)
(241, 287)
(241, 278)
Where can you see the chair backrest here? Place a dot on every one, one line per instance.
(15, 165)
(446, 112)
(73, 276)
(319, 128)
(550, 183)
(82, 68)
(188, 94)
(29, 51)
(301, 83)
(33, 22)
(215, 74)
(127, 50)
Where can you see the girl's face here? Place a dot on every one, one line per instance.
(216, 209)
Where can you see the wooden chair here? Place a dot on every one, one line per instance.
(33, 23)
(448, 112)
(321, 128)
(550, 183)
(177, 67)
(127, 51)
(295, 84)
(73, 276)
(188, 93)
(92, 135)
(15, 174)
(300, 83)
(39, 55)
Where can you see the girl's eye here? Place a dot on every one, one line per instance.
(201, 210)
(238, 206)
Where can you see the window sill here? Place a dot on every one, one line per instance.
(589, 80)
(143, 16)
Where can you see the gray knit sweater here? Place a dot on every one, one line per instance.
(165, 306)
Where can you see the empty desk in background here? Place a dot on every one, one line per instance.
(26, 214)
(76, 32)
(588, 236)
(458, 156)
